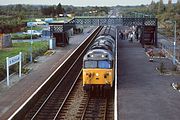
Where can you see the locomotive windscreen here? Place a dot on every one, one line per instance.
(103, 64)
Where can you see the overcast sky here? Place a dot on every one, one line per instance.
(81, 2)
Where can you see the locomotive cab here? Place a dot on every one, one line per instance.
(97, 69)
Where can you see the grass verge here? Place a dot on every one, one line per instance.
(39, 48)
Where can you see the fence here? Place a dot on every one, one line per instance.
(167, 45)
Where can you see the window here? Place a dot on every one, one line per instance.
(90, 64)
(104, 64)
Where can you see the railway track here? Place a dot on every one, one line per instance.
(96, 108)
(47, 102)
(85, 106)
(50, 103)
(70, 101)
(79, 105)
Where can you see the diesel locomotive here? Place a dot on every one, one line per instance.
(98, 62)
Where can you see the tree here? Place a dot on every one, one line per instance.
(59, 9)
(49, 11)
(170, 6)
(161, 7)
(153, 7)
(178, 7)
(69, 9)
(19, 8)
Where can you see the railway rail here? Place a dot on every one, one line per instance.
(50, 104)
(89, 107)
(96, 107)
(47, 101)
(69, 101)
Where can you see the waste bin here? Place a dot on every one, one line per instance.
(52, 43)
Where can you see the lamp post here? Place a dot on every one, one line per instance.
(174, 42)
(31, 58)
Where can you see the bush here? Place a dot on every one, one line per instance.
(23, 36)
(2, 73)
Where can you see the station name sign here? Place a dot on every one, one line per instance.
(14, 60)
(11, 61)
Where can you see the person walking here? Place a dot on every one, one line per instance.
(131, 37)
(150, 53)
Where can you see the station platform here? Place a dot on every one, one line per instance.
(21, 88)
(143, 93)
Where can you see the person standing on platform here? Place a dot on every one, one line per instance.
(131, 37)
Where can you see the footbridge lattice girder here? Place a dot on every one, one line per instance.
(142, 23)
(115, 21)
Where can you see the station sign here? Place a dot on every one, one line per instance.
(11, 61)
(14, 60)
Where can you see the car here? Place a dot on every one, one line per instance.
(33, 32)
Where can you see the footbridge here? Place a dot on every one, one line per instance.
(146, 27)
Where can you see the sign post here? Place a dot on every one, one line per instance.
(20, 63)
(12, 61)
(7, 68)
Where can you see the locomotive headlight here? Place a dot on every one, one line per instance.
(97, 74)
(103, 56)
(92, 55)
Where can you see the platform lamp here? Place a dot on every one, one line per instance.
(174, 42)
(31, 42)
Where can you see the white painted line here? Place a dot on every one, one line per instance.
(116, 78)
(11, 117)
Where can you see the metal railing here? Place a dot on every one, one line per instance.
(167, 46)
